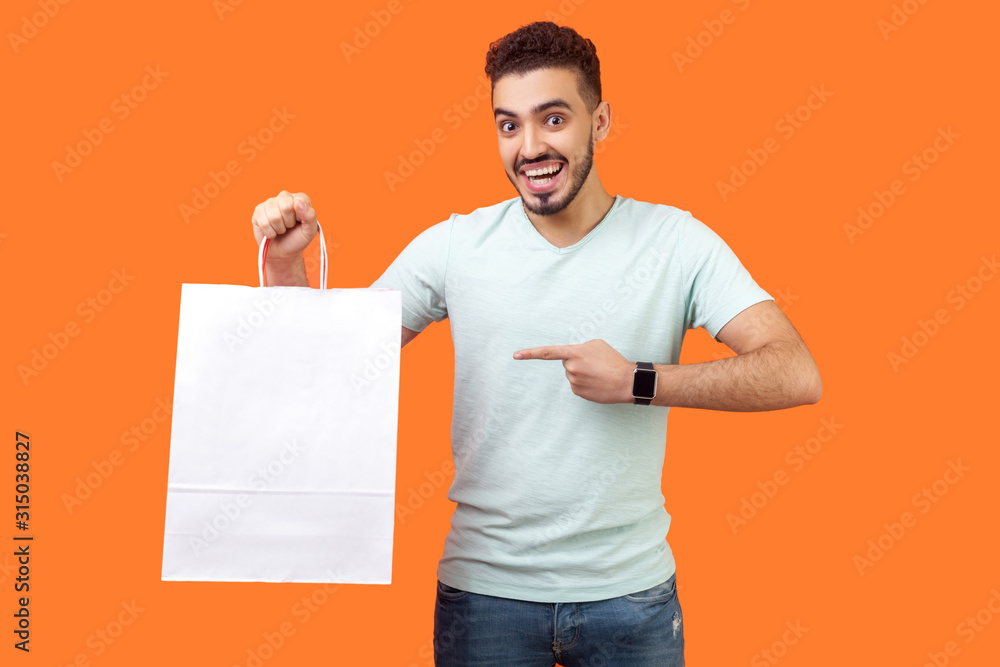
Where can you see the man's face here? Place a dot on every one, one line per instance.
(546, 137)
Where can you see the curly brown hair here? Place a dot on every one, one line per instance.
(544, 44)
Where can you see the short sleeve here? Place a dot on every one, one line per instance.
(418, 272)
(718, 287)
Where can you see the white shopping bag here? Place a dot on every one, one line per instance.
(283, 438)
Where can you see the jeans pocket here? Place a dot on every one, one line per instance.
(447, 592)
(660, 593)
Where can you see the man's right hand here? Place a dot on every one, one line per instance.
(289, 220)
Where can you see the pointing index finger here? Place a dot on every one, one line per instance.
(546, 352)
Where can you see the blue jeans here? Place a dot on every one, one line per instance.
(641, 629)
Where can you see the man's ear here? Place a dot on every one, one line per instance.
(602, 120)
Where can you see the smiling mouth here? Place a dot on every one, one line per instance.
(543, 175)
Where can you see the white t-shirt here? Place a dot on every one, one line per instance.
(559, 498)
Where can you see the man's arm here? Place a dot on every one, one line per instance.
(286, 272)
(773, 368)
(406, 335)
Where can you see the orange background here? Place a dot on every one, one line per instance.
(679, 133)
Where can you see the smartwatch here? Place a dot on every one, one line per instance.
(643, 383)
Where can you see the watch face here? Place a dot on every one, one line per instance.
(644, 383)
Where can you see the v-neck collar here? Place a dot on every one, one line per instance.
(568, 249)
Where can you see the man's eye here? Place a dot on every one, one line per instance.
(555, 120)
(507, 126)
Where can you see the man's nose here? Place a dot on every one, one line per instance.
(534, 144)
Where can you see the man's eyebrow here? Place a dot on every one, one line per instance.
(537, 109)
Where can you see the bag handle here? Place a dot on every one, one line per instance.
(262, 258)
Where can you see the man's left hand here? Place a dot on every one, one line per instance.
(596, 371)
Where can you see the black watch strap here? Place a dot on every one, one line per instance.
(646, 366)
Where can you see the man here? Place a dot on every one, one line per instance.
(557, 547)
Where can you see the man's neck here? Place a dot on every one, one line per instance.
(573, 223)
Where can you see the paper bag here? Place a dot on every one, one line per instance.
(283, 438)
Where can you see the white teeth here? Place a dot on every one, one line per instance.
(541, 172)
(541, 180)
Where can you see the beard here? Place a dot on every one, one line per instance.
(546, 205)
